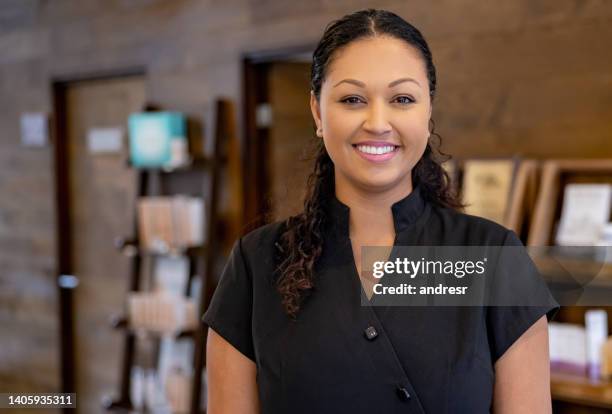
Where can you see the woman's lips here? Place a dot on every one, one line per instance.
(377, 158)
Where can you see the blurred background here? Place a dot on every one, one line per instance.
(140, 138)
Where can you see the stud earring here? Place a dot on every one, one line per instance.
(319, 132)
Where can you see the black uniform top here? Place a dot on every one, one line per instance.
(342, 357)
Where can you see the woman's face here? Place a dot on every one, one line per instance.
(375, 98)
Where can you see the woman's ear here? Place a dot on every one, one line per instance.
(316, 113)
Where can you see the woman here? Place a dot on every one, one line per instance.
(288, 331)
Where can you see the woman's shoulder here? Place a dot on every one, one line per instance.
(473, 229)
(262, 239)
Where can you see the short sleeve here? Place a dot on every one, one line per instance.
(230, 311)
(522, 297)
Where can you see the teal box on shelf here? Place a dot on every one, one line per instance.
(157, 139)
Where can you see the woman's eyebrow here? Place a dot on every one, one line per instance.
(392, 84)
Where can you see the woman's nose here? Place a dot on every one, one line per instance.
(377, 118)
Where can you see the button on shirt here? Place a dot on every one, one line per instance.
(371, 333)
(341, 356)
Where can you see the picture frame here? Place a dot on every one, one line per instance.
(555, 174)
(488, 183)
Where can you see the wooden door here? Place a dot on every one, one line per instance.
(292, 138)
(98, 191)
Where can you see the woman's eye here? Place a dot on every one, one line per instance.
(405, 99)
(351, 100)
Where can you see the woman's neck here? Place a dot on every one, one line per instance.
(371, 218)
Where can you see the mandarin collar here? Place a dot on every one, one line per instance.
(405, 213)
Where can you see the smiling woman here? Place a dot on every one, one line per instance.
(360, 113)
(292, 328)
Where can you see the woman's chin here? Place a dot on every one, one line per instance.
(381, 182)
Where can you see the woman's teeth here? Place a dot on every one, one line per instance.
(375, 150)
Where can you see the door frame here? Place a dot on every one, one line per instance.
(61, 169)
(256, 140)
(62, 198)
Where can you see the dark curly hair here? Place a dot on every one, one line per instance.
(301, 243)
